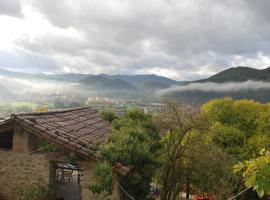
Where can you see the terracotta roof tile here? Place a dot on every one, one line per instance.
(78, 129)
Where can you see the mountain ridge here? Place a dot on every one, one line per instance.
(234, 76)
(76, 77)
(239, 74)
(145, 86)
(103, 83)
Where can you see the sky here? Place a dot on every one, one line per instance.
(179, 39)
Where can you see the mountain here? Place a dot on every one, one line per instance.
(151, 85)
(147, 86)
(70, 77)
(238, 82)
(135, 85)
(239, 74)
(103, 83)
(76, 77)
(141, 78)
(199, 96)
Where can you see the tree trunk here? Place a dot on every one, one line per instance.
(187, 189)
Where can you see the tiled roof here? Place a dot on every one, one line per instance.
(79, 129)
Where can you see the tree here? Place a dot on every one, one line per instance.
(189, 161)
(256, 173)
(229, 138)
(240, 128)
(242, 114)
(134, 142)
(261, 138)
(205, 167)
(219, 110)
(178, 122)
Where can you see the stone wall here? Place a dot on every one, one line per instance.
(20, 171)
(23, 142)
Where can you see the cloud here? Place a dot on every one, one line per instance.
(45, 88)
(26, 61)
(186, 39)
(217, 87)
(10, 7)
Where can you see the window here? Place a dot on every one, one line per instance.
(6, 139)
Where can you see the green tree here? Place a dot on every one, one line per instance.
(229, 138)
(242, 114)
(237, 126)
(219, 110)
(134, 142)
(246, 114)
(240, 128)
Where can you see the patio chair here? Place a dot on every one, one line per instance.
(80, 176)
(66, 174)
(58, 173)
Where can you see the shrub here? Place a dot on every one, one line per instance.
(37, 191)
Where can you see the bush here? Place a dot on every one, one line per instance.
(37, 191)
(108, 115)
(104, 171)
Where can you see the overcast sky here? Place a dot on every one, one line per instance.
(180, 39)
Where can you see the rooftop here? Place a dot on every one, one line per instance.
(79, 129)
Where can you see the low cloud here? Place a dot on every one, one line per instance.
(217, 87)
(40, 87)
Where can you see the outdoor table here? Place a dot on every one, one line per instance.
(71, 167)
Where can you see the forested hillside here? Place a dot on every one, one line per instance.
(239, 83)
(239, 74)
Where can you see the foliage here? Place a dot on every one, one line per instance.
(108, 115)
(104, 171)
(44, 145)
(240, 128)
(228, 138)
(134, 142)
(198, 148)
(205, 167)
(189, 160)
(256, 173)
(236, 125)
(37, 191)
(242, 114)
(73, 158)
(219, 110)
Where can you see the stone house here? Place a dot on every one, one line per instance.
(79, 130)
